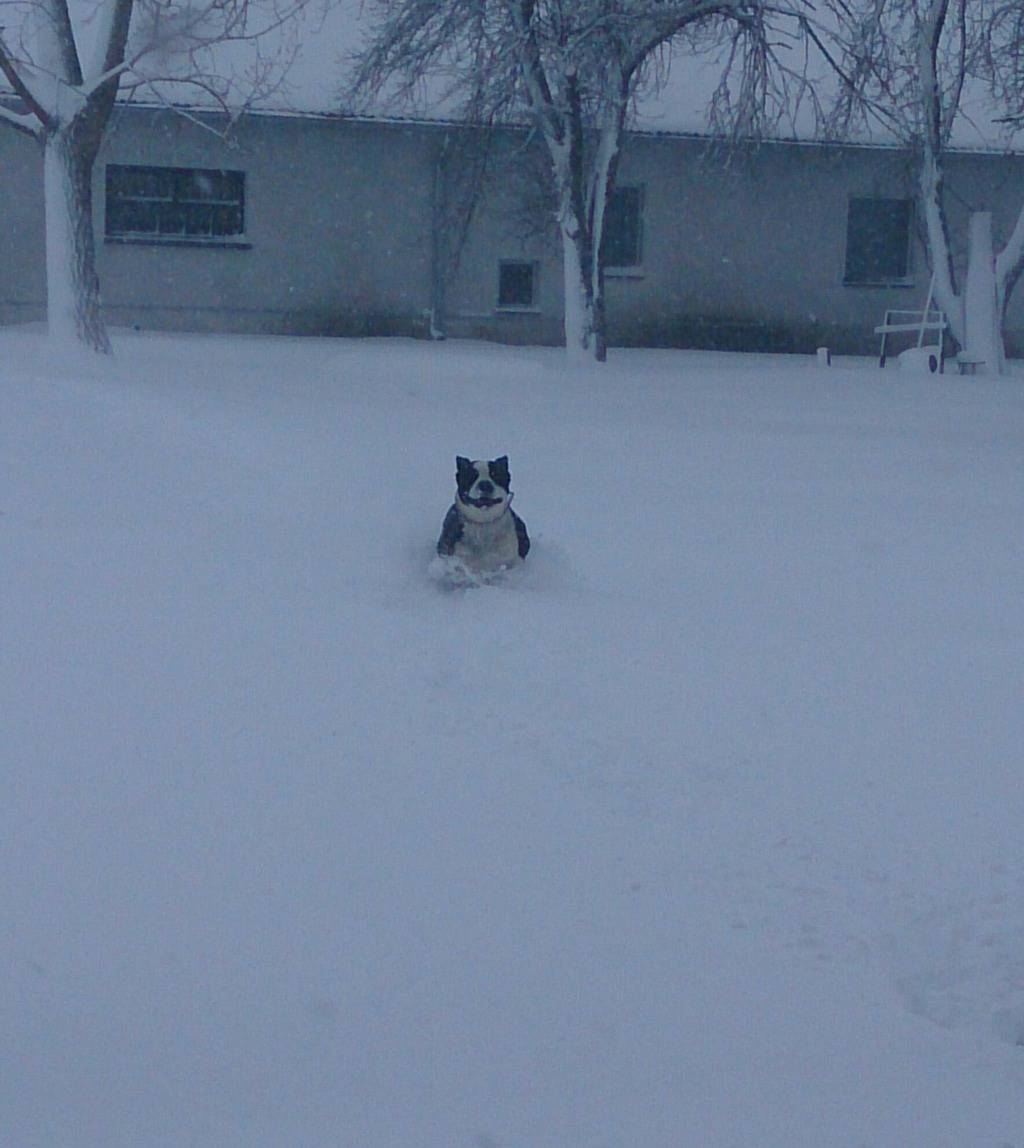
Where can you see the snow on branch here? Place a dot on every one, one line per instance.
(22, 121)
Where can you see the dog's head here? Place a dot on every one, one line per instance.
(483, 492)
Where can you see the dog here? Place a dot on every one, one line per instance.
(481, 532)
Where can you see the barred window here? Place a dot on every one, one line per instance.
(174, 203)
(623, 228)
(878, 233)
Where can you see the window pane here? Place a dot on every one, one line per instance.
(198, 185)
(139, 183)
(172, 219)
(226, 219)
(878, 240)
(197, 219)
(127, 216)
(206, 186)
(515, 285)
(623, 228)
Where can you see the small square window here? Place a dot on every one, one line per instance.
(878, 236)
(517, 282)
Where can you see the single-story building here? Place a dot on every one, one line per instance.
(301, 223)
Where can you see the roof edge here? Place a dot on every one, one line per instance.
(393, 120)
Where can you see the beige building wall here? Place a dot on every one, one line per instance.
(745, 251)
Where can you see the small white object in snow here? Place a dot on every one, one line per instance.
(920, 360)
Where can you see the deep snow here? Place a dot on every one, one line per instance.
(706, 830)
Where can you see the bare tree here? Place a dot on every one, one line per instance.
(66, 61)
(576, 68)
(913, 61)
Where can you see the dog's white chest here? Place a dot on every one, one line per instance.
(488, 545)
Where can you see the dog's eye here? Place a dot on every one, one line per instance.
(499, 471)
(465, 474)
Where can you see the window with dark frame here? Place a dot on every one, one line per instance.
(174, 203)
(623, 228)
(878, 234)
(516, 284)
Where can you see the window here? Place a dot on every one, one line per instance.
(516, 284)
(174, 203)
(623, 228)
(878, 241)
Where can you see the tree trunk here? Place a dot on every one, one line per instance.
(600, 323)
(606, 165)
(982, 312)
(602, 185)
(947, 298)
(580, 334)
(72, 285)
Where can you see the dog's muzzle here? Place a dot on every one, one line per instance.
(482, 503)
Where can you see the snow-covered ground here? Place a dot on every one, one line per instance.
(707, 830)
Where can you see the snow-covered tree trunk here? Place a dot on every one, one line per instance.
(579, 305)
(931, 21)
(606, 166)
(72, 284)
(70, 110)
(977, 313)
(567, 169)
(947, 298)
(982, 313)
(68, 97)
(1009, 265)
(583, 190)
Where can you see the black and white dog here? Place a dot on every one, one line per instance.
(481, 532)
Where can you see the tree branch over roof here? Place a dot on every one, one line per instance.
(20, 86)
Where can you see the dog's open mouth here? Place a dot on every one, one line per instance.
(483, 502)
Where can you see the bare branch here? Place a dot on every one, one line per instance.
(20, 121)
(113, 43)
(20, 86)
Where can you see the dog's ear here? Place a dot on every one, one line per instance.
(499, 471)
(465, 472)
